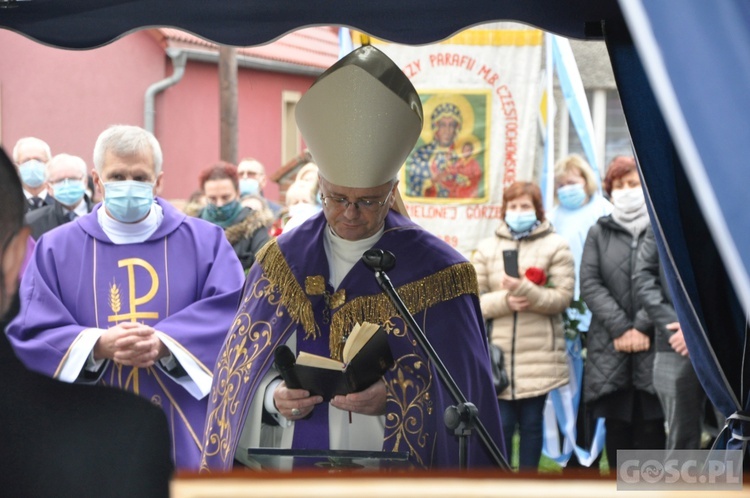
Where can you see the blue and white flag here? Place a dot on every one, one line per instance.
(546, 111)
(575, 98)
(561, 409)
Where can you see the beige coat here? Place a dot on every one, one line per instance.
(533, 340)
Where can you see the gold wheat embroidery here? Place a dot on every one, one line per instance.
(114, 297)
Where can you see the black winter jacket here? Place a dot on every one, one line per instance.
(247, 236)
(653, 293)
(49, 216)
(607, 272)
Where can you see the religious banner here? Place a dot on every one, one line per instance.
(480, 95)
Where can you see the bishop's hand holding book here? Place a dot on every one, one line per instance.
(366, 357)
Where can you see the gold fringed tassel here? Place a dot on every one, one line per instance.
(418, 296)
(293, 296)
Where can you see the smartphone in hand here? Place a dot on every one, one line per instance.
(510, 259)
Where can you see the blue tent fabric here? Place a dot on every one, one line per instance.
(710, 313)
(690, 63)
(91, 23)
(683, 78)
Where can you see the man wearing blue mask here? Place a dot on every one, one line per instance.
(43, 418)
(134, 295)
(30, 155)
(252, 176)
(66, 188)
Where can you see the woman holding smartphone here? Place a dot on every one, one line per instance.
(525, 311)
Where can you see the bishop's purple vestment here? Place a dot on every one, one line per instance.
(184, 281)
(288, 292)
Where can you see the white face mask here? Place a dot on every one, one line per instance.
(628, 200)
(303, 209)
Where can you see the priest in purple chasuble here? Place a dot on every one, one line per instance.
(167, 283)
(309, 288)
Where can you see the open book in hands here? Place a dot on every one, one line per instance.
(366, 357)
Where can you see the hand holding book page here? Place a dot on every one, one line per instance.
(366, 357)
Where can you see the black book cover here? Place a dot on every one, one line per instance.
(365, 368)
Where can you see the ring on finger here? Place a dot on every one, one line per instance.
(296, 412)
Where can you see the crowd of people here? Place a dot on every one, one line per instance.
(236, 203)
(603, 251)
(186, 307)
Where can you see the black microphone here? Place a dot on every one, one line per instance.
(379, 260)
(285, 361)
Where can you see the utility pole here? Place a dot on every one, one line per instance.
(228, 103)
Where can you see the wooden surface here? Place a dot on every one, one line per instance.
(415, 485)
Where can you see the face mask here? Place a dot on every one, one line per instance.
(628, 200)
(302, 209)
(223, 213)
(520, 221)
(249, 186)
(128, 201)
(68, 192)
(571, 196)
(32, 173)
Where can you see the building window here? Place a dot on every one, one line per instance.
(291, 142)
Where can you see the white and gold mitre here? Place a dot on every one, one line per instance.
(360, 119)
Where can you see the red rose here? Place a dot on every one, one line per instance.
(274, 231)
(536, 275)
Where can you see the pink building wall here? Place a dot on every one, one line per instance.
(68, 97)
(187, 122)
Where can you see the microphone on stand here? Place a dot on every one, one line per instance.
(379, 260)
(285, 361)
(461, 418)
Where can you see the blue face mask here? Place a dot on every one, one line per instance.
(520, 221)
(128, 201)
(249, 186)
(32, 173)
(68, 192)
(571, 196)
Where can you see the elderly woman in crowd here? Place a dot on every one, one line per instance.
(579, 205)
(525, 312)
(618, 378)
(302, 199)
